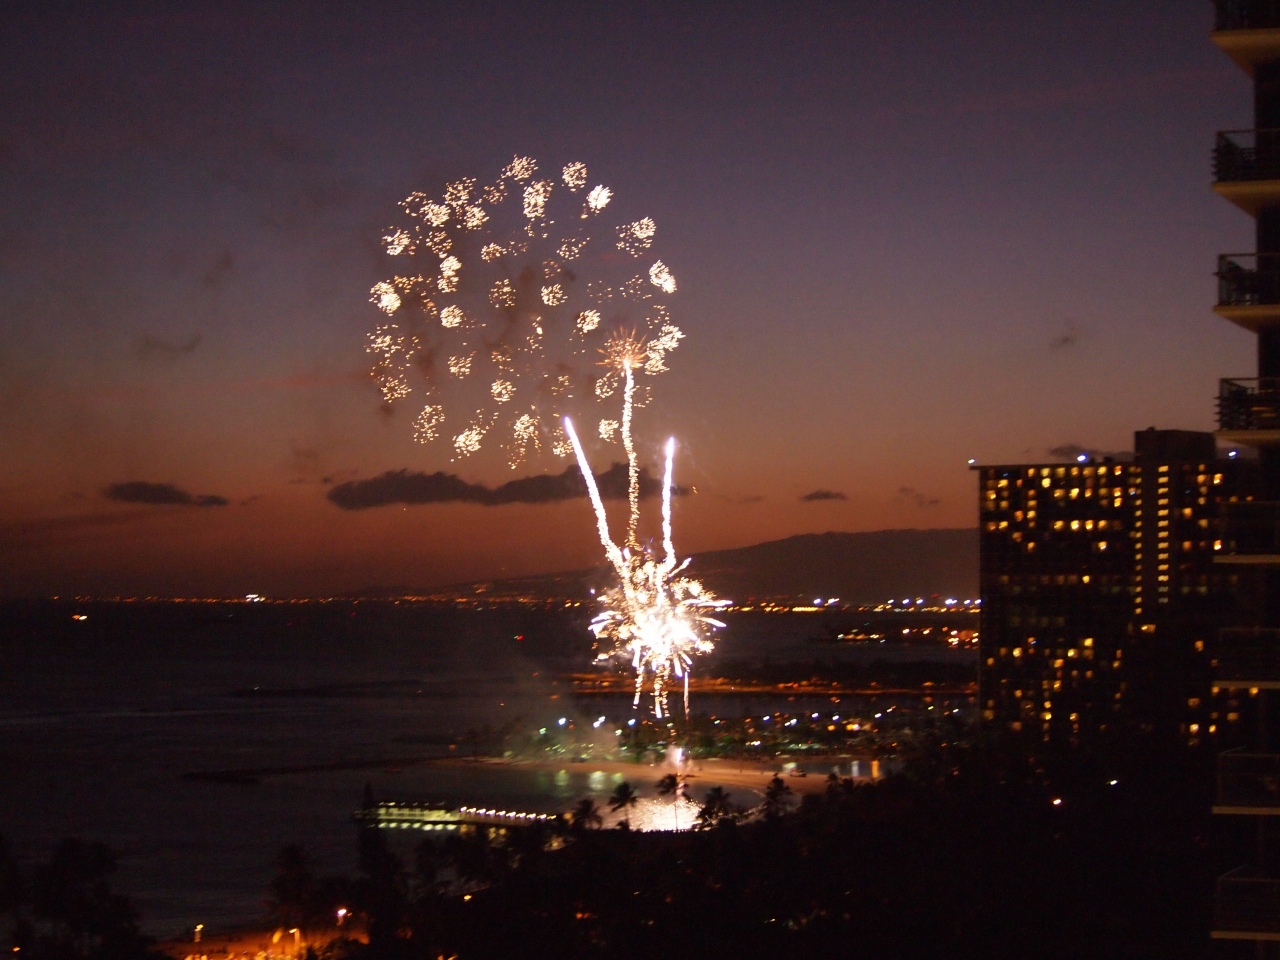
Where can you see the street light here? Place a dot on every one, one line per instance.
(297, 934)
(199, 930)
(342, 915)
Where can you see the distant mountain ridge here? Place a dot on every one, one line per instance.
(868, 567)
(856, 567)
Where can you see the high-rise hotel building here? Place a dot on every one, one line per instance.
(1247, 652)
(1099, 590)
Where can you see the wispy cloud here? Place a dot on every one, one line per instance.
(140, 491)
(920, 499)
(819, 495)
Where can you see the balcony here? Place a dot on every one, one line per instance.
(1246, 167)
(1246, 906)
(1249, 410)
(1246, 30)
(1249, 288)
(1247, 657)
(1248, 783)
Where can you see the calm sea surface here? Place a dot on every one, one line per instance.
(101, 719)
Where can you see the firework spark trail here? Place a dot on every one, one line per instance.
(654, 617)
(633, 469)
(669, 561)
(602, 520)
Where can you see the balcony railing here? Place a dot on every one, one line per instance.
(1247, 655)
(1248, 279)
(1249, 403)
(1252, 528)
(1249, 780)
(1243, 155)
(1246, 903)
(1246, 14)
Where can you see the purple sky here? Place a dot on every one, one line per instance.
(906, 234)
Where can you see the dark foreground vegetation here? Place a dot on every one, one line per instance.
(65, 909)
(964, 855)
(983, 850)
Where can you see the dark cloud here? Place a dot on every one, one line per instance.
(147, 346)
(1072, 451)
(920, 499)
(140, 491)
(823, 495)
(401, 486)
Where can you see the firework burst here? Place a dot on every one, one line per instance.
(506, 290)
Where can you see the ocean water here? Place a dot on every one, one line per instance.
(104, 722)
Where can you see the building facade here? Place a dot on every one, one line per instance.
(1247, 651)
(1099, 588)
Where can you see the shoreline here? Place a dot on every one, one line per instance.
(700, 774)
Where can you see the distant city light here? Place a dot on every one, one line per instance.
(1057, 801)
(1081, 459)
(972, 461)
(562, 721)
(598, 723)
(631, 722)
(1233, 453)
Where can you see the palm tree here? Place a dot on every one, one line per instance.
(623, 799)
(670, 786)
(715, 807)
(586, 814)
(777, 798)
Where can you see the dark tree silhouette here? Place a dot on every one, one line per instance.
(586, 815)
(715, 808)
(71, 912)
(777, 798)
(622, 800)
(293, 890)
(669, 786)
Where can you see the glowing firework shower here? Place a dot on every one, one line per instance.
(509, 289)
(523, 285)
(654, 618)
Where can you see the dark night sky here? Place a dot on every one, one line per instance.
(907, 233)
